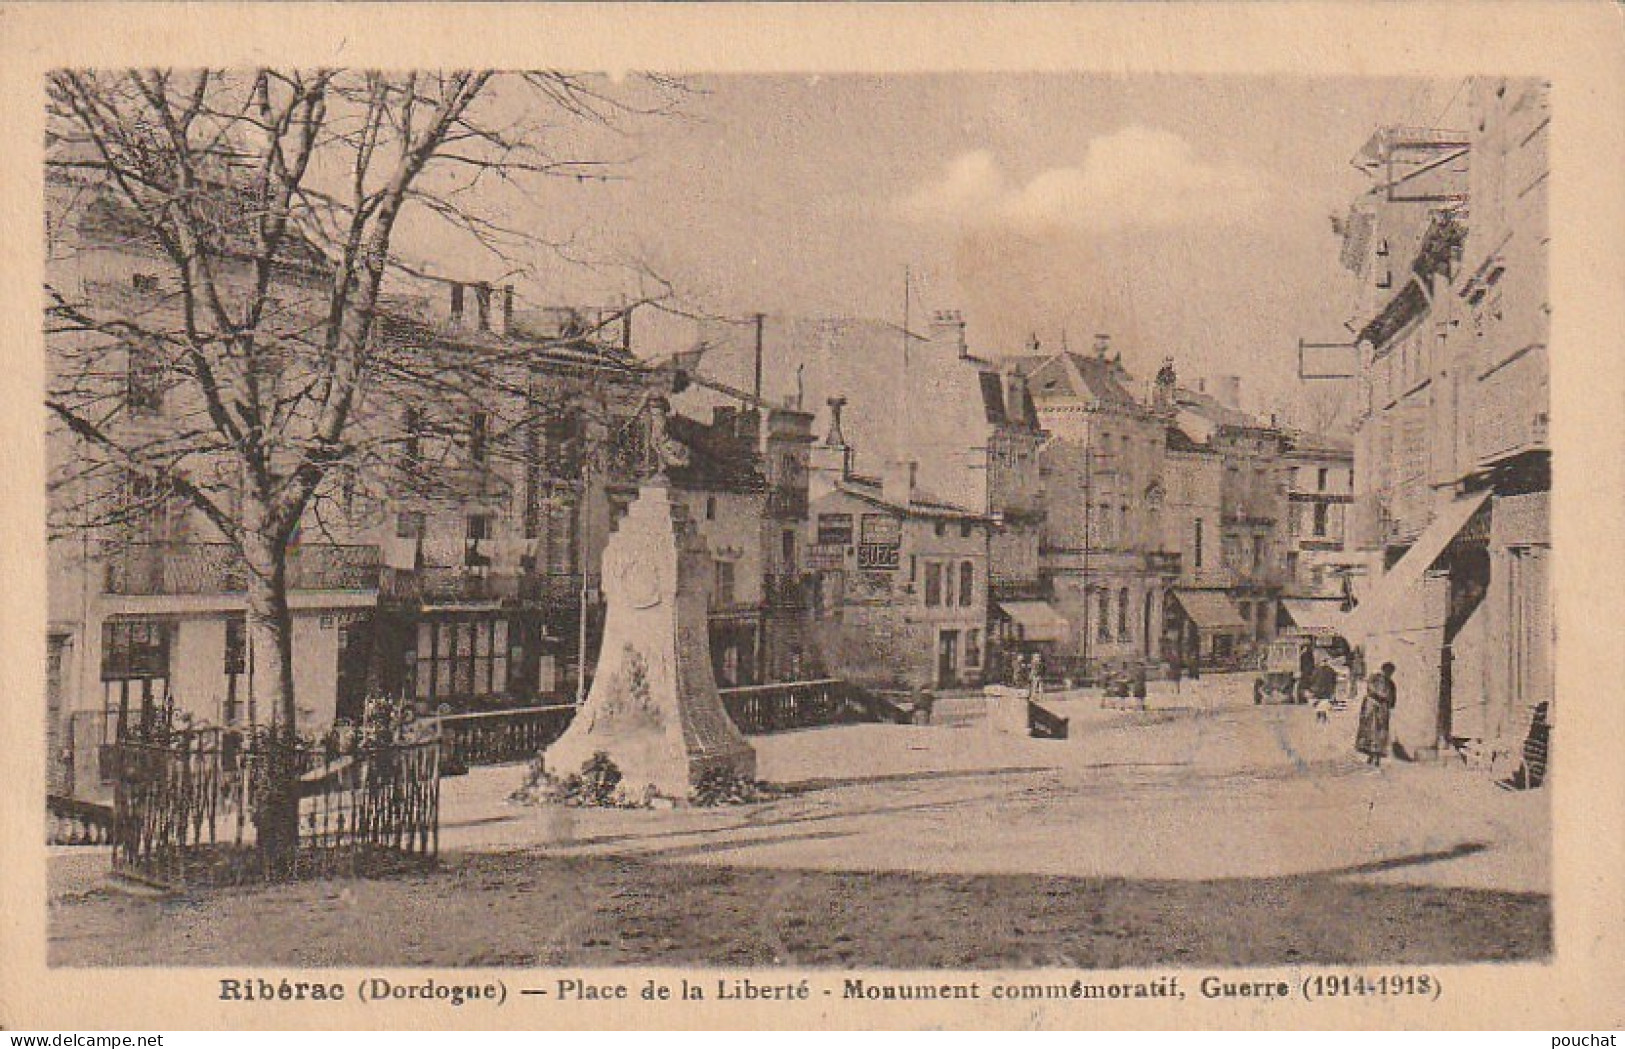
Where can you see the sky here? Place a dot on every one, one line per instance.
(1184, 216)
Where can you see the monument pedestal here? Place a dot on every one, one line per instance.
(654, 707)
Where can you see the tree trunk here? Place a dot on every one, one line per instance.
(272, 703)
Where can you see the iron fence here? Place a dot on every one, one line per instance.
(195, 808)
(497, 736)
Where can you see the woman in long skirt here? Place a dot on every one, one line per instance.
(1380, 694)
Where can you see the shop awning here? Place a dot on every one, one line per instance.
(1394, 604)
(1038, 620)
(1212, 610)
(1321, 618)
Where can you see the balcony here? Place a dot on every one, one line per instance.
(178, 569)
(556, 588)
(441, 585)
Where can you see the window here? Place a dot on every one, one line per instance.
(409, 524)
(1260, 548)
(135, 649)
(144, 282)
(135, 670)
(723, 593)
(973, 648)
(144, 380)
(913, 567)
(1320, 518)
(942, 528)
(478, 532)
(1320, 478)
(710, 508)
(236, 665)
(948, 585)
(1122, 615)
(461, 659)
(1196, 554)
(933, 584)
(1122, 524)
(478, 433)
(1103, 614)
(788, 547)
(967, 582)
(964, 529)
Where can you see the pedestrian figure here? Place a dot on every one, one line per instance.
(1139, 684)
(1036, 672)
(1324, 686)
(1380, 697)
(1176, 670)
(1306, 672)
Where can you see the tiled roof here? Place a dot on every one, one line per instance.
(1075, 375)
(921, 504)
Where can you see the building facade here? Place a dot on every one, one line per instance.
(899, 593)
(1105, 557)
(1452, 455)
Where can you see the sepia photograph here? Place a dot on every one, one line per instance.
(929, 521)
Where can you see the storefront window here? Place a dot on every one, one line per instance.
(461, 658)
(135, 669)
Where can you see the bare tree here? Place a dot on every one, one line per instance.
(232, 381)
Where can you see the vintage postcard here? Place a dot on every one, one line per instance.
(966, 516)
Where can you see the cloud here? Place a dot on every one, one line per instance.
(1135, 178)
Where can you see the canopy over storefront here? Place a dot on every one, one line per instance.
(1396, 604)
(1212, 611)
(1318, 618)
(1036, 620)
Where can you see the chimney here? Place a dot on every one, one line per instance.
(829, 462)
(1103, 343)
(835, 438)
(456, 314)
(948, 326)
(1016, 394)
(897, 481)
(482, 302)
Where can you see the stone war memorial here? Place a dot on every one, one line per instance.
(653, 707)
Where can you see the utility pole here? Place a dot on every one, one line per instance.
(756, 387)
(583, 552)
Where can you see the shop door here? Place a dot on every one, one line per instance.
(355, 661)
(948, 659)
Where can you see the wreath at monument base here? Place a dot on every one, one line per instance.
(601, 784)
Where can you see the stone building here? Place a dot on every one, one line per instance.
(1452, 456)
(1320, 574)
(1104, 556)
(967, 423)
(899, 575)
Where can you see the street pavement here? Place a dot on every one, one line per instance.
(1202, 830)
(1201, 784)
